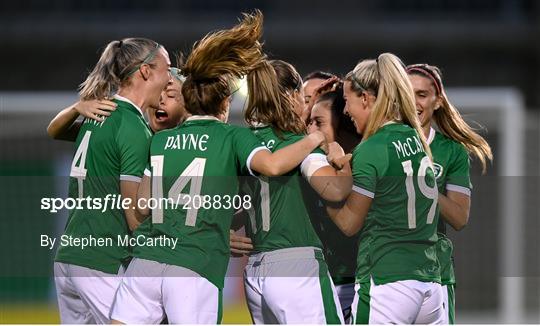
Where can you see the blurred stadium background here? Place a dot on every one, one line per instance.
(488, 51)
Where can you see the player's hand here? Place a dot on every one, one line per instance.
(326, 86)
(336, 156)
(95, 109)
(319, 137)
(240, 245)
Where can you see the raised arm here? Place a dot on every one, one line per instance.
(286, 158)
(326, 86)
(64, 125)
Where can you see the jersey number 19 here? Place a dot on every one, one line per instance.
(429, 192)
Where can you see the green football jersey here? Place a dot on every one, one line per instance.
(279, 218)
(340, 251)
(107, 152)
(451, 162)
(199, 162)
(398, 240)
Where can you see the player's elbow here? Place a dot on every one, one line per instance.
(133, 225)
(461, 222)
(350, 229)
(344, 189)
(461, 225)
(143, 211)
(336, 194)
(272, 170)
(51, 132)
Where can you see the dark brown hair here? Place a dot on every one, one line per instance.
(216, 60)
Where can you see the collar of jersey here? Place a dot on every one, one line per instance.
(201, 117)
(258, 125)
(431, 135)
(123, 99)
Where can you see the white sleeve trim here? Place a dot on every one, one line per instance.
(250, 157)
(460, 189)
(147, 173)
(133, 178)
(363, 191)
(312, 163)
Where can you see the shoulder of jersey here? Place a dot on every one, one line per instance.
(442, 139)
(126, 111)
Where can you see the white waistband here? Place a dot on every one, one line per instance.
(284, 254)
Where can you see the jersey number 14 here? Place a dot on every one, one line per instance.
(193, 172)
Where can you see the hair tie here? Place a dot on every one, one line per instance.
(430, 75)
(119, 45)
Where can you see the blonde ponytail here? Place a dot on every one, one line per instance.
(387, 79)
(116, 65)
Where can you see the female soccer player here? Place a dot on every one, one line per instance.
(394, 201)
(451, 147)
(197, 166)
(340, 251)
(109, 160)
(286, 279)
(168, 114)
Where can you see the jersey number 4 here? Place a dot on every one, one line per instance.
(78, 171)
(428, 192)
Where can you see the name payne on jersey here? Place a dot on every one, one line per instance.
(409, 147)
(121, 240)
(94, 122)
(187, 141)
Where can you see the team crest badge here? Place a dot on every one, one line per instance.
(438, 169)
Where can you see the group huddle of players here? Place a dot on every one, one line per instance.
(349, 185)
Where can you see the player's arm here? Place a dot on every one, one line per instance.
(326, 86)
(455, 207)
(240, 245)
(143, 194)
(64, 125)
(332, 183)
(129, 189)
(286, 158)
(350, 217)
(367, 161)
